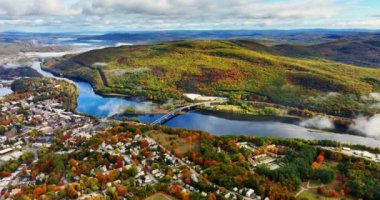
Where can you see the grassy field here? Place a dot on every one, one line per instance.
(160, 196)
(174, 142)
(225, 68)
(312, 194)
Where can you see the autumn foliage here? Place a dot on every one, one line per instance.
(318, 161)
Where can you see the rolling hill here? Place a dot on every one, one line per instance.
(241, 70)
(362, 53)
(355, 47)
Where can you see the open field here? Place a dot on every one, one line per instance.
(312, 194)
(160, 196)
(178, 144)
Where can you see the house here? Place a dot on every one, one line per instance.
(148, 180)
(16, 154)
(346, 149)
(5, 182)
(3, 139)
(228, 195)
(156, 171)
(11, 133)
(250, 193)
(6, 158)
(5, 151)
(194, 178)
(366, 154)
(44, 139)
(47, 130)
(15, 191)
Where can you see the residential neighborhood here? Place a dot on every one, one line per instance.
(49, 151)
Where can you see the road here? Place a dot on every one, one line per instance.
(303, 189)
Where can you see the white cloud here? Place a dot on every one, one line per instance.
(367, 23)
(370, 126)
(170, 14)
(222, 9)
(318, 122)
(36, 8)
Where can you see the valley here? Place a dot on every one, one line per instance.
(189, 100)
(224, 68)
(280, 115)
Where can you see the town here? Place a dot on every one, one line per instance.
(48, 151)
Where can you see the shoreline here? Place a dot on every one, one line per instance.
(263, 117)
(341, 128)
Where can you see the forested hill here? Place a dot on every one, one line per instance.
(240, 70)
(48, 88)
(362, 53)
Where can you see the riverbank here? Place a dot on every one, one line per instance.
(249, 108)
(102, 106)
(252, 108)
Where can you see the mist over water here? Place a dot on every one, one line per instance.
(91, 103)
(96, 105)
(272, 128)
(99, 106)
(318, 122)
(369, 126)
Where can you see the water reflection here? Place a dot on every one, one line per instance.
(221, 126)
(4, 91)
(96, 105)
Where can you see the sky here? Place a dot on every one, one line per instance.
(128, 15)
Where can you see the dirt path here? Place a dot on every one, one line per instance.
(303, 189)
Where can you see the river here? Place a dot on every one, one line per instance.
(91, 103)
(4, 91)
(4, 88)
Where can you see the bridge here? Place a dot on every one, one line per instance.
(177, 111)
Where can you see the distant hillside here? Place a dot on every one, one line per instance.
(241, 70)
(277, 36)
(356, 47)
(363, 53)
(12, 73)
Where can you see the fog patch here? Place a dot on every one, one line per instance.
(13, 63)
(372, 97)
(333, 94)
(168, 103)
(99, 64)
(375, 106)
(329, 95)
(369, 126)
(318, 122)
(119, 72)
(118, 107)
(119, 44)
(11, 66)
(112, 108)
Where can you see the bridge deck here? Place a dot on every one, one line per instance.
(175, 112)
